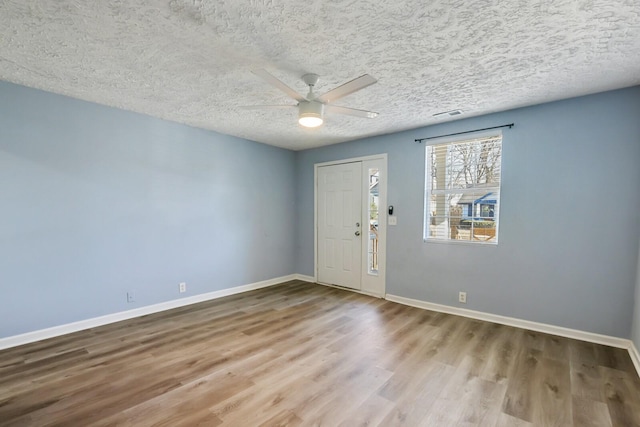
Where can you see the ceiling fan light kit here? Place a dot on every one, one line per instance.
(311, 108)
(311, 114)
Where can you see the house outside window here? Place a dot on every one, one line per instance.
(462, 190)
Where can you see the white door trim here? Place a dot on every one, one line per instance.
(383, 210)
(351, 160)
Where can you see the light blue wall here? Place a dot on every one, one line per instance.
(569, 227)
(635, 330)
(98, 201)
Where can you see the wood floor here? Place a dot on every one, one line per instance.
(303, 354)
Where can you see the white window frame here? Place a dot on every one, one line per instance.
(428, 190)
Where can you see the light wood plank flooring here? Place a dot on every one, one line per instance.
(303, 354)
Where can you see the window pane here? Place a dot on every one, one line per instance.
(372, 263)
(463, 190)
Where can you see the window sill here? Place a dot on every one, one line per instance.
(460, 242)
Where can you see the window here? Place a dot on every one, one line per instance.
(374, 215)
(462, 187)
(486, 211)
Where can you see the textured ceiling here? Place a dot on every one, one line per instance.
(190, 61)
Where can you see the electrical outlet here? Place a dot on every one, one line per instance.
(462, 297)
(183, 287)
(131, 297)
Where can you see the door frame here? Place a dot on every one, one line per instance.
(370, 284)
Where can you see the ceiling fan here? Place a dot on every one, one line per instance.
(311, 108)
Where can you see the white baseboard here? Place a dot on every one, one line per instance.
(304, 278)
(518, 323)
(635, 356)
(68, 328)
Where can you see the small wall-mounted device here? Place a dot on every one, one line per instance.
(390, 209)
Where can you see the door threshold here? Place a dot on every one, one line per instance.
(346, 288)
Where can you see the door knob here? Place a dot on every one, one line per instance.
(357, 233)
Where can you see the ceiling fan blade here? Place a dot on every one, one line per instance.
(347, 88)
(269, 78)
(351, 112)
(259, 107)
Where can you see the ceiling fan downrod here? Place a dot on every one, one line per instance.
(311, 80)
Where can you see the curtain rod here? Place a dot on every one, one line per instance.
(419, 140)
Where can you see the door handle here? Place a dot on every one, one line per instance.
(357, 233)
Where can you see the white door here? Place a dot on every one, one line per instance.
(339, 224)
